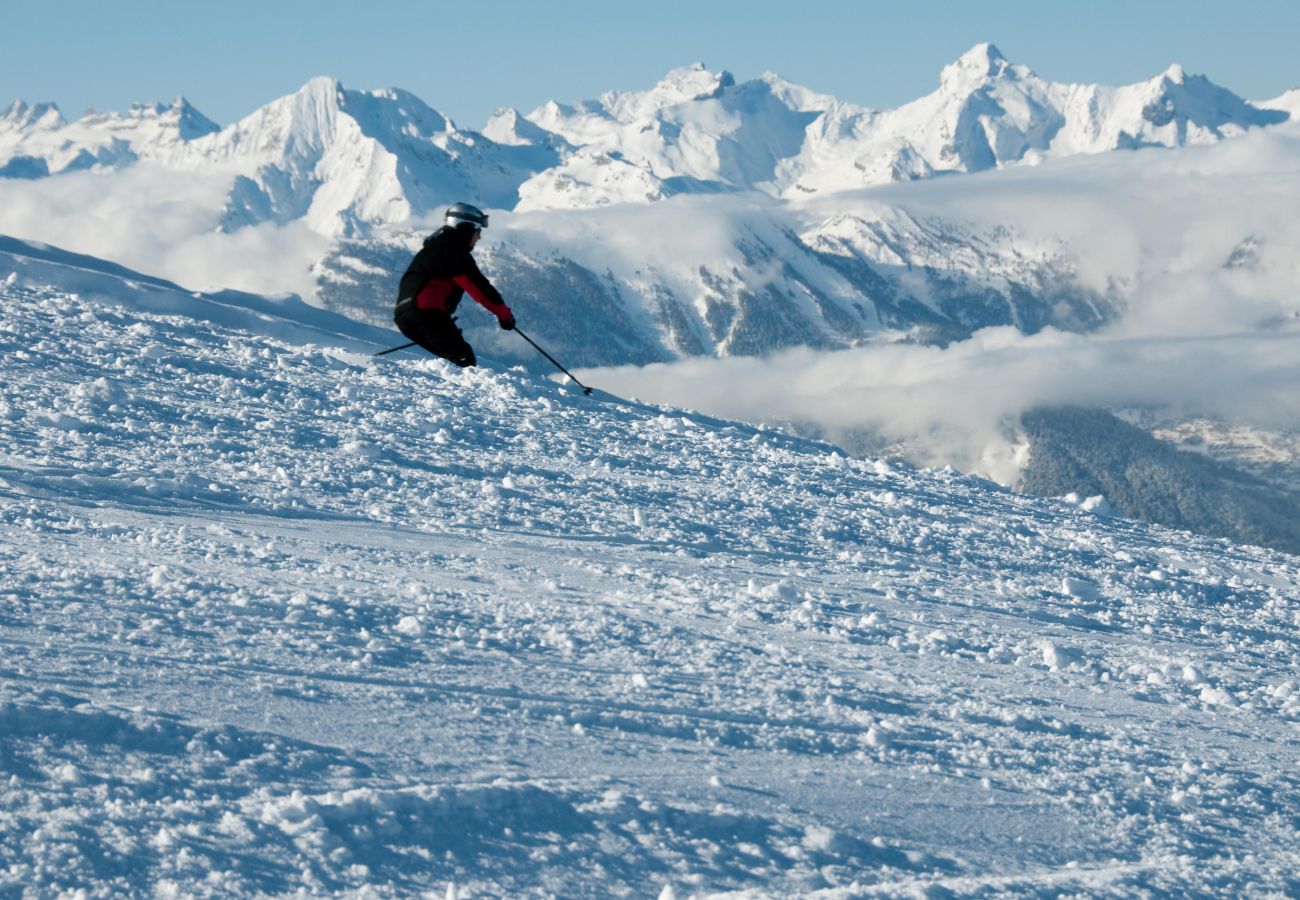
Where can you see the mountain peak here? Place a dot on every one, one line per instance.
(976, 65)
(321, 90)
(179, 113)
(308, 112)
(42, 115)
(509, 127)
(797, 96)
(681, 85)
(1174, 74)
(984, 57)
(985, 51)
(695, 82)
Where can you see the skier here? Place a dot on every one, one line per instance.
(436, 280)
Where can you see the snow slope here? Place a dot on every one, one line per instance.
(280, 617)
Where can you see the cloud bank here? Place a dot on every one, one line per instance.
(957, 405)
(161, 222)
(1203, 244)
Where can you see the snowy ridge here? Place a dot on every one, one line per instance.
(280, 617)
(21, 117)
(1288, 103)
(40, 142)
(769, 135)
(989, 113)
(88, 278)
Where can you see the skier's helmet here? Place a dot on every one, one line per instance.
(463, 214)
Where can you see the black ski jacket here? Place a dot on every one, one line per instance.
(443, 271)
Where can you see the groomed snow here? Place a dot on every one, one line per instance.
(277, 616)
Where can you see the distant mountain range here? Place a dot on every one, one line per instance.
(348, 160)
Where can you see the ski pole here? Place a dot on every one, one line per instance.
(393, 349)
(586, 390)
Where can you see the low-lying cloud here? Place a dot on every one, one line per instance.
(1198, 240)
(1202, 245)
(957, 405)
(161, 222)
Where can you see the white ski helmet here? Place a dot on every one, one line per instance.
(463, 214)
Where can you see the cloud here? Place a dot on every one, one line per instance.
(1202, 244)
(957, 405)
(669, 238)
(160, 222)
(1158, 225)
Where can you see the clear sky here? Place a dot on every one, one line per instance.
(470, 57)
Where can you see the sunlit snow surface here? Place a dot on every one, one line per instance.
(279, 617)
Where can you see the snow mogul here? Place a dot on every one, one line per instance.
(441, 273)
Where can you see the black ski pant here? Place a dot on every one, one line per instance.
(435, 331)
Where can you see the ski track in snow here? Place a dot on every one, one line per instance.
(278, 617)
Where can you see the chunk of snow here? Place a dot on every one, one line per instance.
(1095, 504)
(1212, 696)
(411, 626)
(101, 390)
(1192, 675)
(1081, 588)
(361, 448)
(818, 838)
(60, 421)
(1060, 657)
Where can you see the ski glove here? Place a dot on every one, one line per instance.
(507, 324)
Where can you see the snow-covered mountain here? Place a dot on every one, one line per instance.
(36, 141)
(766, 241)
(989, 113)
(701, 131)
(348, 160)
(279, 617)
(341, 160)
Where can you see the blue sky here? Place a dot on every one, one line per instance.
(468, 58)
